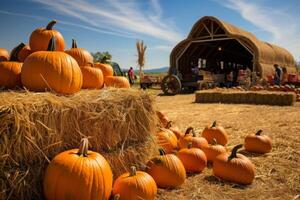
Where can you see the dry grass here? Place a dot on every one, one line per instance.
(277, 173)
(34, 127)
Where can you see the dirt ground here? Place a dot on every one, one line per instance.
(277, 173)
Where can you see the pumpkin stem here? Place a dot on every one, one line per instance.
(188, 130)
(169, 124)
(132, 171)
(234, 152)
(51, 24)
(214, 141)
(117, 197)
(161, 151)
(14, 53)
(190, 144)
(52, 44)
(74, 43)
(83, 148)
(258, 132)
(214, 124)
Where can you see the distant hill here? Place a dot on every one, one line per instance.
(152, 71)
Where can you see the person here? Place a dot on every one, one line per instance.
(131, 76)
(195, 72)
(284, 78)
(277, 75)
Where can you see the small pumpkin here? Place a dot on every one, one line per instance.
(78, 174)
(135, 185)
(82, 56)
(92, 77)
(235, 167)
(4, 55)
(167, 170)
(179, 134)
(106, 69)
(193, 159)
(23, 52)
(217, 132)
(40, 37)
(51, 69)
(116, 81)
(190, 136)
(167, 140)
(213, 150)
(163, 118)
(258, 143)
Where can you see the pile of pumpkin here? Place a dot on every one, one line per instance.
(46, 65)
(277, 88)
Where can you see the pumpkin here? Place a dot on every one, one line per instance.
(134, 186)
(197, 142)
(163, 119)
(167, 140)
(78, 174)
(92, 77)
(116, 81)
(235, 167)
(217, 132)
(258, 143)
(167, 170)
(106, 69)
(53, 70)
(4, 55)
(10, 71)
(179, 134)
(23, 52)
(82, 56)
(213, 150)
(39, 38)
(193, 159)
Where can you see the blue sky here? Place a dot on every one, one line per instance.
(115, 25)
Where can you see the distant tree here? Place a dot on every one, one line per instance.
(102, 57)
(141, 49)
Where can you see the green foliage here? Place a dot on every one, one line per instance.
(102, 57)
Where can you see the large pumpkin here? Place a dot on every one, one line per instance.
(215, 132)
(39, 38)
(106, 69)
(213, 150)
(235, 167)
(78, 174)
(92, 77)
(4, 55)
(167, 170)
(135, 185)
(82, 56)
(167, 140)
(191, 137)
(258, 143)
(23, 52)
(52, 70)
(116, 81)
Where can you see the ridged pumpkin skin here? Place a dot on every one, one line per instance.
(197, 142)
(215, 132)
(193, 159)
(23, 52)
(4, 55)
(163, 119)
(236, 168)
(213, 150)
(10, 74)
(39, 38)
(167, 171)
(116, 81)
(175, 129)
(92, 78)
(167, 140)
(106, 69)
(258, 143)
(78, 176)
(82, 56)
(135, 186)
(51, 70)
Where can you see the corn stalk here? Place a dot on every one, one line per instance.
(141, 48)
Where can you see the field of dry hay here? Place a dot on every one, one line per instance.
(277, 173)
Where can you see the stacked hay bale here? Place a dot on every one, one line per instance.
(37, 126)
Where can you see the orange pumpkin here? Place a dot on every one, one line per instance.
(78, 174)
(106, 69)
(193, 159)
(92, 78)
(179, 134)
(213, 150)
(135, 185)
(163, 119)
(167, 140)
(190, 136)
(217, 132)
(4, 55)
(23, 52)
(167, 170)
(53, 70)
(116, 81)
(235, 167)
(39, 38)
(258, 143)
(82, 56)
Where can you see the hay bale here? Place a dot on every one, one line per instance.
(37, 126)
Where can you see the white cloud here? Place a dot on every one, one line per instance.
(283, 27)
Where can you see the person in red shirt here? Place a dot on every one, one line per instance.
(131, 75)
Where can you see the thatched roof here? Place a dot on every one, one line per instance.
(265, 55)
